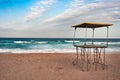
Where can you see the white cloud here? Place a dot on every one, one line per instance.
(76, 3)
(79, 12)
(38, 9)
(93, 10)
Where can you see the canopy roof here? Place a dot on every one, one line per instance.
(91, 25)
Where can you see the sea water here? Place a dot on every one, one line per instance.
(44, 45)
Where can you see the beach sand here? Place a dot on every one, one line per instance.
(51, 66)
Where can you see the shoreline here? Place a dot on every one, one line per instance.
(115, 52)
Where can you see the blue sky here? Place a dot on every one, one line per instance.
(53, 18)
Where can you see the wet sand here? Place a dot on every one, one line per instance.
(51, 66)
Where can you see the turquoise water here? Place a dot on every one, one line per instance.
(36, 45)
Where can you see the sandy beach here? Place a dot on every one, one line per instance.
(51, 66)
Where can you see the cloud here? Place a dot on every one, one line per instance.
(80, 11)
(6, 32)
(76, 3)
(38, 9)
(98, 11)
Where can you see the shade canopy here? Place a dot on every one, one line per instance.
(91, 25)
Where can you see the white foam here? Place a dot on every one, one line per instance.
(70, 41)
(41, 42)
(113, 42)
(19, 42)
(36, 50)
(49, 50)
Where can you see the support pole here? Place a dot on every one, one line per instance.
(93, 35)
(85, 36)
(77, 53)
(74, 37)
(104, 59)
(107, 35)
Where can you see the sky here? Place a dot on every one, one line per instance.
(54, 18)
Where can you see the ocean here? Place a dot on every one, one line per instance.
(44, 45)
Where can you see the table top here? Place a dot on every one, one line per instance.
(90, 46)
